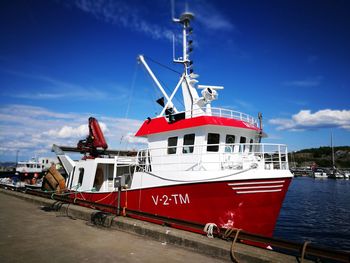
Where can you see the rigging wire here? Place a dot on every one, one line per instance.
(156, 91)
(131, 89)
(164, 85)
(162, 65)
(176, 98)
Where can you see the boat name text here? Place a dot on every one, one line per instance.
(176, 199)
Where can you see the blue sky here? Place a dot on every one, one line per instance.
(63, 61)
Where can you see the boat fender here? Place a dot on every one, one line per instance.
(209, 229)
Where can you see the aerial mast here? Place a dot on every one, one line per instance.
(187, 43)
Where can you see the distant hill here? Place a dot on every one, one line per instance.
(322, 156)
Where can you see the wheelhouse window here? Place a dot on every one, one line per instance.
(251, 145)
(188, 143)
(172, 144)
(213, 142)
(243, 140)
(230, 140)
(81, 176)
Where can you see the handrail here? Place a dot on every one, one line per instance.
(235, 156)
(222, 112)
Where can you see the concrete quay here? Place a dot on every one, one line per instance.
(30, 234)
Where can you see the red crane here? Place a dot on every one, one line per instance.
(91, 146)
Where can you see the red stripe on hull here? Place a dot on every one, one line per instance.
(251, 205)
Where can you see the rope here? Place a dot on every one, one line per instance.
(304, 250)
(104, 197)
(165, 86)
(162, 65)
(131, 90)
(126, 203)
(194, 181)
(227, 234)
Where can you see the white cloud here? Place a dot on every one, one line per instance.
(68, 132)
(122, 13)
(303, 83)
(210, 17)
(305, 119)
(58, 89)
(129, 14)
(130, 138)
(33, 130)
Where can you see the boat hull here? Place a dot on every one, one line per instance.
(251, 205)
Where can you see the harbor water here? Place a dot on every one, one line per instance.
(317, 210)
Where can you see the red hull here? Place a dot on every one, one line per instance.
(251, 205)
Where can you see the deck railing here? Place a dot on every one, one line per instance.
(221, 112)
(237, 156)
(226, 113)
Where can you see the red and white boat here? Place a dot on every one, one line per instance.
(202, 164)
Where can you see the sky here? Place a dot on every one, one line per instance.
(64, 61)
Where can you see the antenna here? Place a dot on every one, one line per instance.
(172, 3)
(173, 47)
(187, 44)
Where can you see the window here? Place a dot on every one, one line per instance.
(99, 178)
(243, 140)
(230, 140)
(188, 143)
(213, 138)
(81, 176)
(251, 145)
(172, 144)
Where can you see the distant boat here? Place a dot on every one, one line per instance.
(29, 170)
(334, 173)
(346, 175)
(319, 173)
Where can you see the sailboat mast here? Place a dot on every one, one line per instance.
(333, 161)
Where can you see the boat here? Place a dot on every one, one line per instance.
(320, 173)
(29, 171)
(202, 164)
(334, 173)
(346, 174)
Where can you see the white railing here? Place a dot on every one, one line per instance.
(220, 112)
(226, 113)
(222, 157)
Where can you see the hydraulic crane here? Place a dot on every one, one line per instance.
(95, 144)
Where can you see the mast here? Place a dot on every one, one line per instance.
(187, 48)
(333, 160)
(193, 103)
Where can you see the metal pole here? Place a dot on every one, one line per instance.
(144, 63)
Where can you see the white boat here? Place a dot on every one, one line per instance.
(346, 175)
(202, 164)
(319, 173)
(29, 168)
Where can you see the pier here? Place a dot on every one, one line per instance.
(29, 231)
